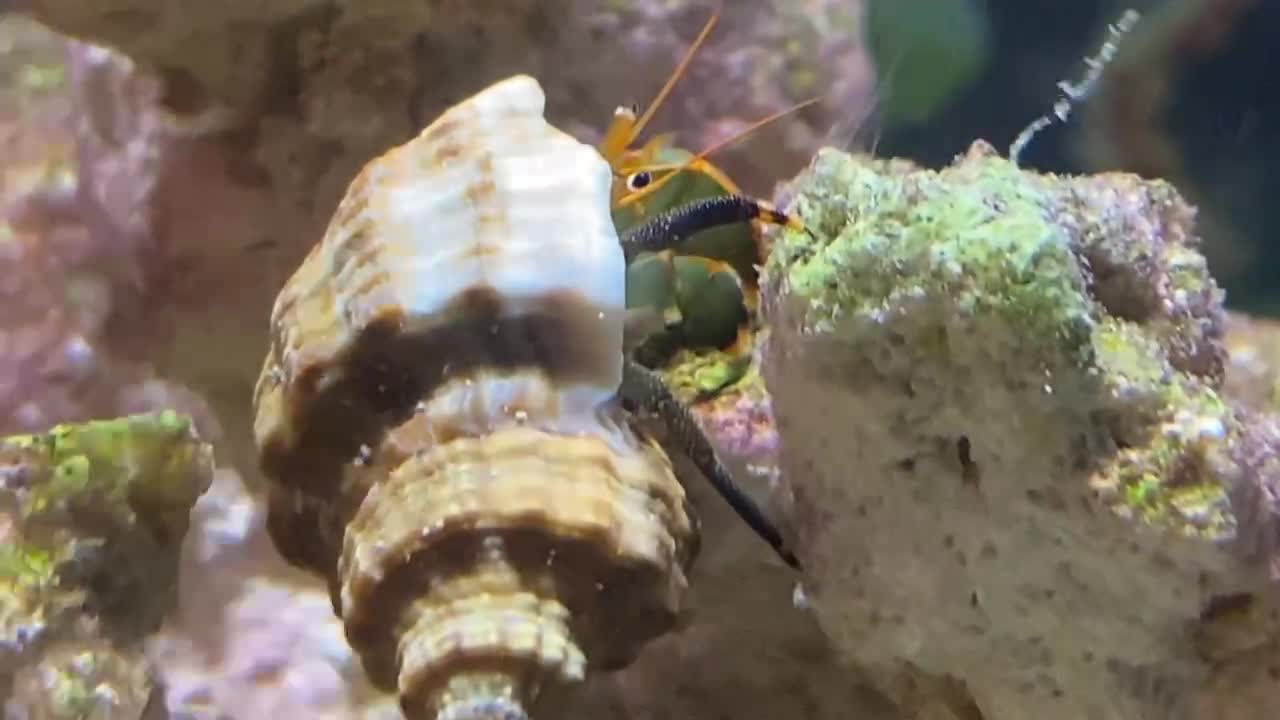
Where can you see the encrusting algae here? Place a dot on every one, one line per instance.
(1019, 270)
(91, 519)
(981, 368)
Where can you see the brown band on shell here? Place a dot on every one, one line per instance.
(590, 523)
(333, 406)
(301, 527)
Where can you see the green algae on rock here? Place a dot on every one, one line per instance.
(895, 239)
(92, 517)
(694, 376)
(726, 394)
(1171, 430)
(998, 397)
(142, 470)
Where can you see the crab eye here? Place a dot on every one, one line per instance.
(639, 180)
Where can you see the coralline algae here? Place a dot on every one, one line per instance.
(997, 395)
(91, 519)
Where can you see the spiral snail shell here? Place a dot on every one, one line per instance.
(438, 416)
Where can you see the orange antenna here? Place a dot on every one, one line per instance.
(675, 77)
(702, 156)
(756, 126)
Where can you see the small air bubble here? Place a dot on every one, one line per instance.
(799, 598)
(364, 456)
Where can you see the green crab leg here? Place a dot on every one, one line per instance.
(673, 227)
(646, 390)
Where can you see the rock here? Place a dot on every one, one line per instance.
(1015, 486)
(1253, 363)
(60, 281)
(91, 520)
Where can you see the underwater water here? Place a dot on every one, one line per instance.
(875, 359)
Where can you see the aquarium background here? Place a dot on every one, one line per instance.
(1211, 129)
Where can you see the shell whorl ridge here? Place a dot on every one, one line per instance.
(438, 417)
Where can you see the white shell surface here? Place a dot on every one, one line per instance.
(489, 196)
(546, 216)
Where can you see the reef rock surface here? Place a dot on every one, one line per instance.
(1014, 483)
(92, 517)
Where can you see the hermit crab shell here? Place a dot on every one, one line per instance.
(438, 417)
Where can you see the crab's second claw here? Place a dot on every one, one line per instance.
(646, 390)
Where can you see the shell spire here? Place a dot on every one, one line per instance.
(438, 416)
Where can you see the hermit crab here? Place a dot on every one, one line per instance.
(702, 291)
(453, 433)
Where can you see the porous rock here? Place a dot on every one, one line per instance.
(1253, 362)
(91, 520)
(1008, 465)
